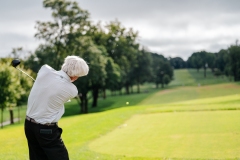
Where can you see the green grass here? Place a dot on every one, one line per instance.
(146, 126)
(17, 113)
(183, 135)
(191, 93)
(210, 78)
(182, 77)
(194, 122)
(190, 77)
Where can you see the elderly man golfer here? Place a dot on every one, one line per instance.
(46, 106)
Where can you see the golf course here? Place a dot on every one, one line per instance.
(191, 118)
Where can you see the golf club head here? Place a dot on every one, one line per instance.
(15, 62)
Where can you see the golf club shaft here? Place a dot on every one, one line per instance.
(26, 74)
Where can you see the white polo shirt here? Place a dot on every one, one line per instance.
(49, 93)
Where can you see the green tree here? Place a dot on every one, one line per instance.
(165, 70)
(5, 94)
(234, 61)
(69, 22)
(95, 57)
(203, 60)
(113, 76)
(44, 54)
(99, 37)
(161, 67)
(210, 61)
(14, 88)
(177, 62)
(166, 79)
(195, 61)
(68, 34)
(142, 71)
(122, 47)
(221, 59)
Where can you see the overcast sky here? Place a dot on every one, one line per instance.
(168, 27)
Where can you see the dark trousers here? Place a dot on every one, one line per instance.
(44, 142)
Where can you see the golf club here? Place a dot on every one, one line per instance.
(15, 63)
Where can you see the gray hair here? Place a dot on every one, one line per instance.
(75, 66)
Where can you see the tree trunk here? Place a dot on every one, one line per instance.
(205, 72)
(104, 93)
(18, 114)
(212, 69)
(11, 116)
(138, 88)
(162, 82)
(95, 97)
(120, 92)
(127, 89)
(2, 118)
(138, 85)
(84, 103)
(131, 89)
(156, 85)
(79, 103)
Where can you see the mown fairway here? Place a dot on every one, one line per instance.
(184, 135)
(185, 122)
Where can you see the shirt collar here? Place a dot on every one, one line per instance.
(64, 75)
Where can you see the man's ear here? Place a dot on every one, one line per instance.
(73, 78)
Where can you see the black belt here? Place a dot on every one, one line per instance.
(46, 124)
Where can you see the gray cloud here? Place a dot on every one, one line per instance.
(11, 41)
(23, 11)
(184, 47)
(175, 28)
(107, 9)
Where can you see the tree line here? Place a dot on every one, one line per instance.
(116, 60)
(225, 62)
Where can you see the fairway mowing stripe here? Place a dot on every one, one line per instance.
(155, 111)
(193, 94)
(191, 135)
(230, 102)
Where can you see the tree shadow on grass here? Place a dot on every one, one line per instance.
(104, 105)
(111, 102)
